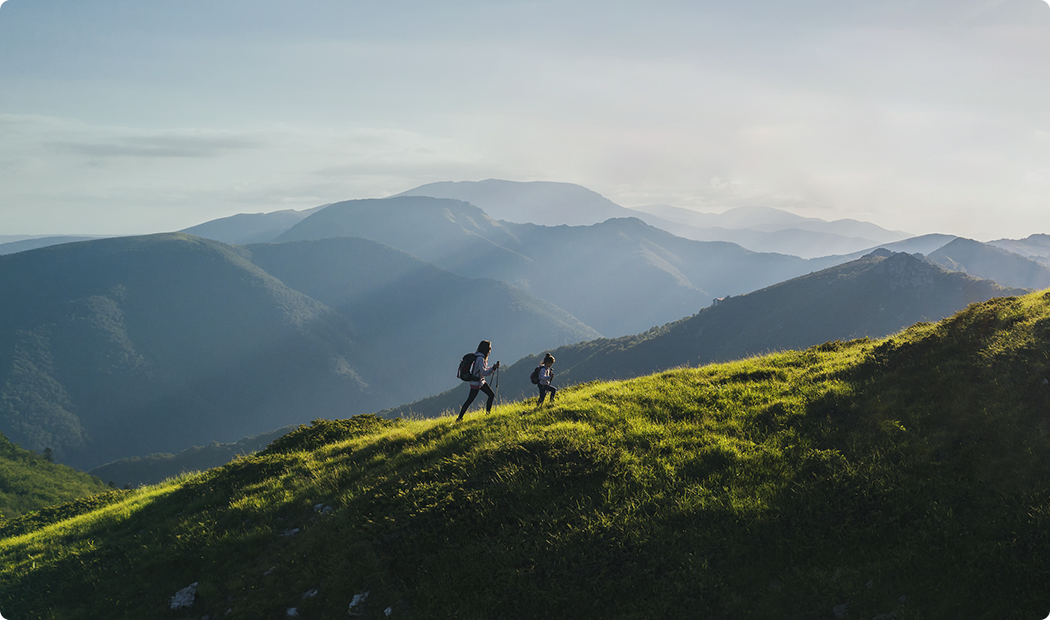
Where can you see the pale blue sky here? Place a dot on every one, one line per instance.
(126, 117)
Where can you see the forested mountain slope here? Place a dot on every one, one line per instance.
(132, 346)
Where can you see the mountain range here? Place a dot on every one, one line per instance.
(19, 244)
(1036, 247)
(659, 277)
(760, 229)
(874, 296)
(774, 230)
(535, 202)
(984, 260)
(250, 227)
(123, 347)
(130, 346)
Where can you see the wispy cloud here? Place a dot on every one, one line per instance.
(157, 146)
(29, 133)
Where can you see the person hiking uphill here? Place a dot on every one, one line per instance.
(480, 370)
(544, 377)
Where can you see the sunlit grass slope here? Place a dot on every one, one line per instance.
(905, 478)
(29, 481)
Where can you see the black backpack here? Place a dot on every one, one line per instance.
(535, 376)
(465, 365)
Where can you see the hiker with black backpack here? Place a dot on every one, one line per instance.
(475, 372)
(542, 377)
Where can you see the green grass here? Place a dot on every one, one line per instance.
(904, 476)
(30, 482)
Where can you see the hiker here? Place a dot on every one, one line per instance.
(544, 376)
(480, 369)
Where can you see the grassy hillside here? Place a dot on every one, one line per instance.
(30, 481)
(907, 478)
(873, 296)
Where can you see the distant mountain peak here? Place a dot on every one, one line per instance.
(992, 261)
(547, 203)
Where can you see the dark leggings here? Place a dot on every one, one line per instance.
(474, 394)
(543, 393)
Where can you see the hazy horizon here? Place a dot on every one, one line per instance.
(119, 117)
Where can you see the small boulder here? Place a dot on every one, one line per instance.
(357, 605)
(185, 597)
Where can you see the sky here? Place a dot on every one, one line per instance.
(131, 117)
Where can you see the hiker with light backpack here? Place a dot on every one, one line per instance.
(474, 367)
(542, 377)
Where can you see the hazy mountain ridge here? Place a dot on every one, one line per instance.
(451, 234)
(985, 260)
(415, 315)
(765, 229)
(1036, 247)
(537, 202)
(769, 219)
(249, 227)
(659, 277)
(794, 242)
(158, 467)
(760, 229)
(33, 243)
(923, 244)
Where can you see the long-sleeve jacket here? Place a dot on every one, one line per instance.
(546, 375)
(481, 369)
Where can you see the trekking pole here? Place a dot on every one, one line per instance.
(497, 386)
